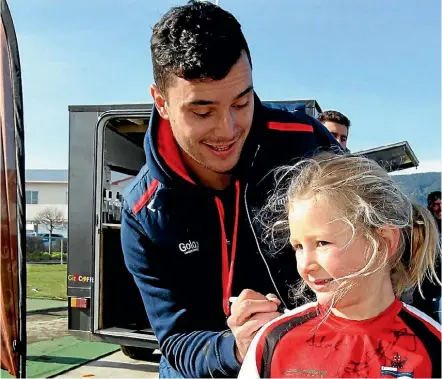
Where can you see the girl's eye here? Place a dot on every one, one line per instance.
(202, 115)
(322, 243)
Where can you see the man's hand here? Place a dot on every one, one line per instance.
(249, 312)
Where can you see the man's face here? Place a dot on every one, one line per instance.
(435, 208)
(210, 119)
(339, 131)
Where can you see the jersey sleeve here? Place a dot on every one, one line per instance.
(255, 358)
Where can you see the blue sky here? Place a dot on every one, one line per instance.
(377, 61)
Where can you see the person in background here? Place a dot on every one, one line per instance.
(188, 230)
(348, 223)
(337, 124)
(434, 206)
(430, 301)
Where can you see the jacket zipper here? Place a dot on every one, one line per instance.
(256, 238)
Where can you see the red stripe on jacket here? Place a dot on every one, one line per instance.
(290, 126)
(168, 149)
(145, 197)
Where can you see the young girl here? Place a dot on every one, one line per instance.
(359, 244)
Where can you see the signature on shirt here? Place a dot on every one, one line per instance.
(312, 372)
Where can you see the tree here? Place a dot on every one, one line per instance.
(52, 218)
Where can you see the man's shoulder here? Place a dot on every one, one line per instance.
(276, 113)
(298, 128)
(294, 122)
(142, 188)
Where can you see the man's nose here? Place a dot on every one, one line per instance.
(226, 128)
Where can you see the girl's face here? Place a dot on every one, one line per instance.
(327, 250)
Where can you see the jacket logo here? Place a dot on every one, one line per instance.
(189, 247)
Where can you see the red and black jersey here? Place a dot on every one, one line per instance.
(400, 342)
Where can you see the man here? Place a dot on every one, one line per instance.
(337, 124)
(434, 206)
(189, 233)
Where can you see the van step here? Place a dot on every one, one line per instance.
(144, 334)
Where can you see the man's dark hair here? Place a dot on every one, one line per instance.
(196, 41)
(334, 116)
(433, 196)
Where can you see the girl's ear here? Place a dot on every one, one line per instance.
(391, 237)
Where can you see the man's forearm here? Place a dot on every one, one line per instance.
(202, 354)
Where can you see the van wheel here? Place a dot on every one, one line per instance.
(137, 353)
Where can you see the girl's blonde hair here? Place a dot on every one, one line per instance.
(369, 200)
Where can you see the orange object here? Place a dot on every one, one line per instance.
(78, 302)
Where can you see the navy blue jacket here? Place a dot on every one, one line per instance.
(175, 242)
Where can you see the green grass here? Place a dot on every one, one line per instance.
(49, 280)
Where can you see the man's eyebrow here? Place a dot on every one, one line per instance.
(246, 91)
(208, 102)
(200, 102)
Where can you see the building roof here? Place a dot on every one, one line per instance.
(58, 176)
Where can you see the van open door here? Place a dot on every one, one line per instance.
(105, 152)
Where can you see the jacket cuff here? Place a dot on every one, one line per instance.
(226, 354)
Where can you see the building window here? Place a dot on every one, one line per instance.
(31, 197)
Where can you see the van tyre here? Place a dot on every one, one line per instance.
(137, 353)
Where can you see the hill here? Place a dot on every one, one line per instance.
(419, 185)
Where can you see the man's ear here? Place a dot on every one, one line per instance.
(391, 237)
(159, 101)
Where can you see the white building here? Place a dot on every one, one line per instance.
(49, 189)
(45, 189)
